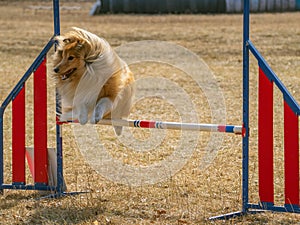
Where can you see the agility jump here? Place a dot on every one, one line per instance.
(267, 81)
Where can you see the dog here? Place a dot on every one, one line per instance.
(93, 81)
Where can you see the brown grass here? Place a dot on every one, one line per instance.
(192, 194)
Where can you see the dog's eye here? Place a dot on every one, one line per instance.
(71, 58)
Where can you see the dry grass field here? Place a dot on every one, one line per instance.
(193, 193)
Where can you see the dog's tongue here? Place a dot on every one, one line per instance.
(67, 74)
(64, 76)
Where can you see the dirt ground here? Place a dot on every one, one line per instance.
(201, 181)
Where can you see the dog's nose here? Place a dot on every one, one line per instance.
(56, 70)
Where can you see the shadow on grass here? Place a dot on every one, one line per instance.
(13, 199)
(29, 209)
(64, 214)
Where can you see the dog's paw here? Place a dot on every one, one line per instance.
(97, 115)
(83, 116)
(83, 119)
(103, 107)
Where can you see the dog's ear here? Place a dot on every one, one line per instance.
(62, 39)
(67, 40)
(80, 44)
(84, 47)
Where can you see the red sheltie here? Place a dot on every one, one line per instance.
(94, 83)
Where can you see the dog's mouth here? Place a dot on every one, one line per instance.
(67, 74)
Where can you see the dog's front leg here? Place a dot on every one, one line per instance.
(103, 107)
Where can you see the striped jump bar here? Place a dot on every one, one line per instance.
(171, 125)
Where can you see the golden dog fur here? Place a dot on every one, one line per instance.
(93, 82)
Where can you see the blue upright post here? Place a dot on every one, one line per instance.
(245, 162)
(56, 17)
(60, 177)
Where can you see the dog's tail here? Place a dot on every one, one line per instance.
(118, 130)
